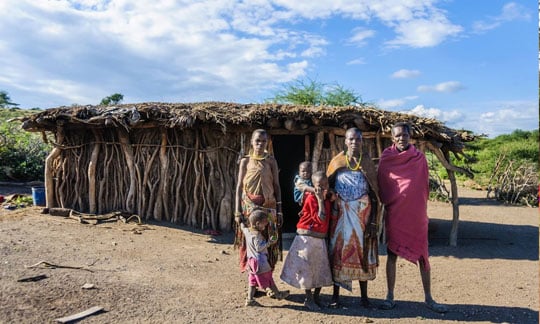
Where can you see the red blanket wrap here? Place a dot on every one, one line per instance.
(404, 189)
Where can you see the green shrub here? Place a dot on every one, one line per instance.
(497, 163)
(22, 154)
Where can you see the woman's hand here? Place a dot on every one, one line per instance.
(279, 219)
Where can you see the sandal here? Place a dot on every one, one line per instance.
(335, 305)
(387, 304)
(279, 295)
(437, 308)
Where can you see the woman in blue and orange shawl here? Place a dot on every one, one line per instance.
(258, 188)
(354, 226)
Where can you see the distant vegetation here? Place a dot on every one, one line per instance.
(315, 93)
(113, 99)
(506, 166)
(22, 154)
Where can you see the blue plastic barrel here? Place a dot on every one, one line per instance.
(38, 196)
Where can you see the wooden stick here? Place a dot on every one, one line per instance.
(51, 265)
(307, 148)
(80, 315)
(33, 278)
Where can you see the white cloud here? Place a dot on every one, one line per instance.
(450, 117)
(405, 74)
(424, 32)
(449, 86)
(510, 12)
(189, 51)
(416, 23)
(358, 61)
(507, 117)
(391, 103)
(360, 35)
(394, 103)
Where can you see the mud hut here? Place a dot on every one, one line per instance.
(178, 162)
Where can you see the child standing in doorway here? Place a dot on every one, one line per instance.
(307, 265)
(259, 270)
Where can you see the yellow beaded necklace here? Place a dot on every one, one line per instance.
(357, 166)
(258, 157)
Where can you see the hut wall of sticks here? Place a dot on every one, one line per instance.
(178, 162)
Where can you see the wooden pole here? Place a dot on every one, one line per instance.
(163, 196)
(92, 173)
(333, 147)
(455, 206)
(307, 147)
(319, 139)
(49, 176)
(128, 154)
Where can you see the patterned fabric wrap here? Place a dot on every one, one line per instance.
(351, 185)
(352, 255)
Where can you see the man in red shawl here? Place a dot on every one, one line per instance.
(404, 188)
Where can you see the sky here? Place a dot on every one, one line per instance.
(472, 64)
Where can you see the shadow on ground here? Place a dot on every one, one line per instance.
(418, 310)
(486, 241)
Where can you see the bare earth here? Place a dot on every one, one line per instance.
(159, 273)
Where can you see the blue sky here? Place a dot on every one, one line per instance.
(471, 64)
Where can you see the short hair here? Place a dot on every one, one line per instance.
(353, 129)
(403, 125)
(305, 163)
(257, 215)
(318, 175)
(259, 131)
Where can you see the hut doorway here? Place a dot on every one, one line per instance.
(289, 152)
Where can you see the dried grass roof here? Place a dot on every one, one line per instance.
(233, 115)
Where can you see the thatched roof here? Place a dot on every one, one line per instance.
(231, 115)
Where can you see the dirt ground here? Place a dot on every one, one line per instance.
(160, 273)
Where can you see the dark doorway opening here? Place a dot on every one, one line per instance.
(289, 152)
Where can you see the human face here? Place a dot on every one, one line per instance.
(261, 225)
(304, 171)
(258, 142)
(321, 183)
(353, 141)
(401, 137)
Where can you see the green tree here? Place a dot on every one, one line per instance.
(113, 99)
(315, 93)
(337, 95)
(22, 153)
(5, 100)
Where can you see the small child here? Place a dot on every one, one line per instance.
(259, 270)
(307, 265)
(302, 182)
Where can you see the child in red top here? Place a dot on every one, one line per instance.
(307, 266)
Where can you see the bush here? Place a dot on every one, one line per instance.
(22, 154)
(507, 166)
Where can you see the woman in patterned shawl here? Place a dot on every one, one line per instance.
(353, 242)
(258, 188)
